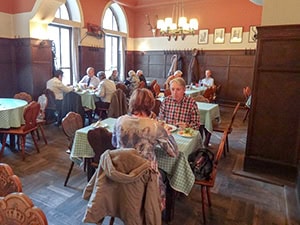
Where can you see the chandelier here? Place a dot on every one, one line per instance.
(177, 25)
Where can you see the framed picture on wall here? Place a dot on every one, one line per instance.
(236, 35)
(252, 34)
(219, 36)
(203, 36)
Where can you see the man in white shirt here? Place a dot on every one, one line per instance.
(208, 81)
(89, 80)
(105, 92)
(55, 84)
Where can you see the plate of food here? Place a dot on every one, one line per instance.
(99, 124)
(170, 128)
(187, 132)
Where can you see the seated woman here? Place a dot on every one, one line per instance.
(139, 131)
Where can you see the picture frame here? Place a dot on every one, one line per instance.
(203, 36)
(236, 35)
(219, 36)
(252, 34)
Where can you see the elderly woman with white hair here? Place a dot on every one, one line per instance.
(132, 81)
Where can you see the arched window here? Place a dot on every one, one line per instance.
(115, 29)
(64, 37)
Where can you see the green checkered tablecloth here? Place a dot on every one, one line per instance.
(88, 99)
(208, 113)
(179, 172)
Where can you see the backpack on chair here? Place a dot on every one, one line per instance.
(201, 162)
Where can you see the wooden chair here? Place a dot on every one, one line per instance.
(210, 93)
(167, 92)
(156, 107)
(207, 184)
(30, 115)
(142, 84)
(200, 98)
(70, 123)
(100, 140)
(9, 182)
(222, 127)
(123, 88)
(156, 90)
(18, 209)
(152, 84)
(50, 109)
(24, 96)
(247, 94)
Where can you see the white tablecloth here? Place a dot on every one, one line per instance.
(11, 112)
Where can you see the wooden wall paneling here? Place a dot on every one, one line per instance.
(90, 57)
(129, 62)
(7, 68)
(157, 67)
(273, 141)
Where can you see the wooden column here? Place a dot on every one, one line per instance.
(273, 142)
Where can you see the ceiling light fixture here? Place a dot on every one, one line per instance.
(177, 25)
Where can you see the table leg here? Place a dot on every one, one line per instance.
(207, 137)
(168, 214)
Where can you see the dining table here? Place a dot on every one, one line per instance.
(88, 98)
(209, 114)
(180, 175)
(193, 90)
(11, 112)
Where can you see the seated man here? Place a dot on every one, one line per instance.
(114, 76)
(179, 109)
(89, 80)
(55, 84)
(104, 91)
(208, 81)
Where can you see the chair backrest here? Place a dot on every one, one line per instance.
(167, 92)
(123, 88)
(30, 114)
(142, 84)
(18, 209)
(156, 89)
(233, 116)
(221, 147)
(24, 96)
(152, 84)
(70, 123)
(210, 93)
(9, 182)
(50, 99)
(156, 107)
(200, 98)
(100, 141)
(246, 92)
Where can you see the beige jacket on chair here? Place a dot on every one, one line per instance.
(123, 186)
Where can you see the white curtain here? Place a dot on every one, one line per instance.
(75, 54)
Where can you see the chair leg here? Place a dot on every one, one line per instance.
(246, 114)
(3, 144)
(203, 203)
(208, 196)
(69, 173)
(227, 144)
(34, 141)
(43, 134)
(112, 220)
(23, 139)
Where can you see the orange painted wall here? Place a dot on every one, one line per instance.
(211, 14)
(16, 6)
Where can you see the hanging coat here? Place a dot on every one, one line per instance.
(193, 71)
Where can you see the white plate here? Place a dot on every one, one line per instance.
(187, 135)
(170, 127)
